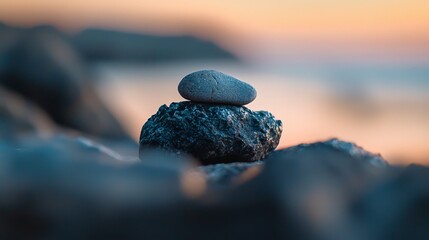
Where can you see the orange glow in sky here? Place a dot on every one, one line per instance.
(243, 19)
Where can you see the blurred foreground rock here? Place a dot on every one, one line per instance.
(313, 184)
(397, 207)
(78, 189)
(69, 189)
(225, 174)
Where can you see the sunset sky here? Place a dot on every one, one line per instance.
(402, 24)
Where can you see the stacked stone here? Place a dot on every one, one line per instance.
(213, 126)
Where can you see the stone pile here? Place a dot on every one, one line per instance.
(213, 126)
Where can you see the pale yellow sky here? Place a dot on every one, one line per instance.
(237, 20)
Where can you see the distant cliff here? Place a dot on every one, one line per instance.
(108, 45)
(96, 45)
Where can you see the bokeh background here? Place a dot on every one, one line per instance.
(357, 70)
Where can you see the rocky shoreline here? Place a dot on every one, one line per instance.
(206, 168)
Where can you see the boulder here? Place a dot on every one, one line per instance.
(212, 133)
(313, 185)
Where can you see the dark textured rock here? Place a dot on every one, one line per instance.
(41, 67)
(212, 133)
(211, 86)
(395, 208)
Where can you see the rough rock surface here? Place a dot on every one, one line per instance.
(212, 133)
(215, 87)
